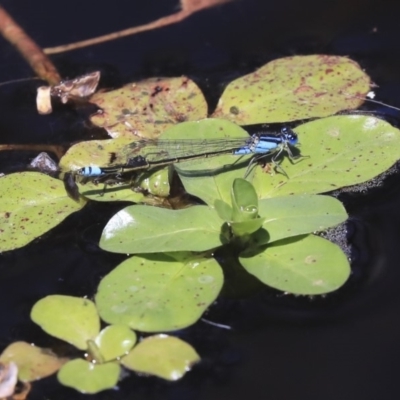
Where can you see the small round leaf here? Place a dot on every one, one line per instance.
(164, 356)
(115, 341)
(159, 293)
(87, 377)
(72, 319)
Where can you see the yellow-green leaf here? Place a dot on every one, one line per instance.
(164, 356)
(294, 88)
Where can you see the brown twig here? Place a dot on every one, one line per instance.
(188, 7)
(32, 53)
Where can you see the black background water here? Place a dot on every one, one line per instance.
(345, 346)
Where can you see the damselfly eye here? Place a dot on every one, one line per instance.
(289, 135)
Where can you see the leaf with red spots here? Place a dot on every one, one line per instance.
(145, 109)
(31, 204)
(293, 88)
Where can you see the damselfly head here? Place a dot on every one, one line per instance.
(289, 136)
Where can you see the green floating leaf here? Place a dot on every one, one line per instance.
(160, 293)
(288, 216)
(244, 201)
(87, 377)
(33, 362)
(294, 88)
(72, 319)
(164, 356)
(340, 151)
(147, 108)
(31, 204)
(210, 178)
(308, 266)
(142, 229)
(115, 341)
(91, 152)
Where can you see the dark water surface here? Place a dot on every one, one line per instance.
(344, 346)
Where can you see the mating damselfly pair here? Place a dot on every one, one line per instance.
(158, 153)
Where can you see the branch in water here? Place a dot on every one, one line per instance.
(189, 7)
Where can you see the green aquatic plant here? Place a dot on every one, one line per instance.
(262, 227)
(107, 351)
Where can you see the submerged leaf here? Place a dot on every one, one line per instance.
(293, 88)
(159, 293)
(167, 357)
(142, 229)
(33, 362)
(72, 319)
(31, 204)
(145, 109)
(303, 265)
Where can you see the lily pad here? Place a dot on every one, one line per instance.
(307, 265)
(339, 151)
(164, 356)
(31, 204)
(142, 229)
(87, 377)
(147, 108)
(294, 88)
(115, 341)
(72, 319)
(295, 215)
(33, 362)
(159, 293)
